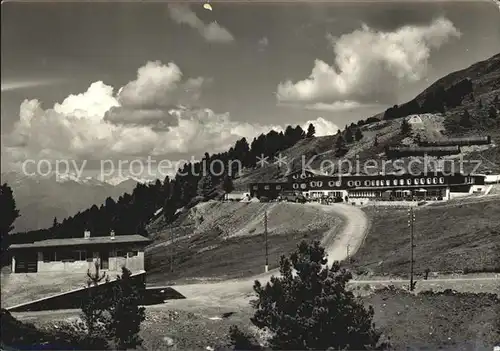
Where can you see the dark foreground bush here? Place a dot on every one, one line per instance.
(309, 307)
(16, 335)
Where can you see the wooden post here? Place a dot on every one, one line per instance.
(266, 268)
(411, 221)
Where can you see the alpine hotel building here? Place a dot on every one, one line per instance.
(357, 189)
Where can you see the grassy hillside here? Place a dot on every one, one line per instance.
(243, 219)
(209, 256)
(452, 237)
(226, 240)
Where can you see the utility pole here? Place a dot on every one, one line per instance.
(265, 237)
(411, 225)
(171, 251)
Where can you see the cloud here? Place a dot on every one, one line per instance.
(370, 66)
(322, 127)
(212, 32)
(263, 43)
(11, 85)
(139, 120)
(321, 106)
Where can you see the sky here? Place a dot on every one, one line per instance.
(112, 81)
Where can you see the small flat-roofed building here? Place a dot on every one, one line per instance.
(76, 255)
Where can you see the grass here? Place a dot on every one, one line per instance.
(211, 256)
(453, 237)
(448, 320)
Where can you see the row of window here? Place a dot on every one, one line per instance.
(396, 182)
(367, 183)
(327, 193)
(302, 176)
(79, 255)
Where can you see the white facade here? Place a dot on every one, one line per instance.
(78, 255)
(132, 260)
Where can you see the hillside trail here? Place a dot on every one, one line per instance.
(338, 245)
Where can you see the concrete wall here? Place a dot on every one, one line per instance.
(492, 178)
(133, 263)
(58, 266)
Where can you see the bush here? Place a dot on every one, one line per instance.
(125, 312)
(241, 340)
(26, 336)
(308, 307)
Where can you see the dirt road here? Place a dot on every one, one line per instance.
(337, 244)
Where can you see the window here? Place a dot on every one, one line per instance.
(395, 182)
(367, 183)
(357, 183)
(278, 187)
(49, 256)
(402, 182)
(415, 181)
(429, 180)
(121, 253)
(68, 256)
(133, 253)
(434, 181)
(441, 180)
(266, 187)
(81, 255)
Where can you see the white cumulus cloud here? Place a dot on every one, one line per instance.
(139, 120)
(370, 66)
(322, 127)
(211, 32)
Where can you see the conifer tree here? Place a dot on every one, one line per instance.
(309, 306)
(310, 131)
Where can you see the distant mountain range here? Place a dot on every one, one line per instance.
(40, 199)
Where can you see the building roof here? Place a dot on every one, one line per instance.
(118, 239)
(306, 170)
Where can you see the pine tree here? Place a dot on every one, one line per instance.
(341, 147)
(126, 314)
(95, 307)
(205, 185)
(405, 128)
(9, 213)
(349, 138)
(227, 184)
(309, 306)
(359, 134)
(492, 112)
(465, 119)
(310, 131)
